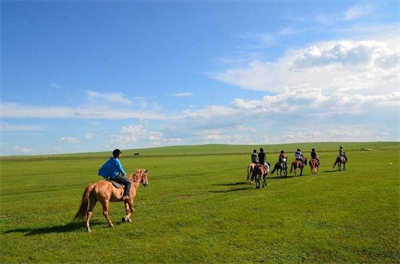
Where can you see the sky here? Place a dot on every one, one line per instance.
(84, 76)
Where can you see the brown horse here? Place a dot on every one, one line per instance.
(314, 164)
(298, 164)
(105, 192)
(250, 172)
(261, 175)
(341, 162)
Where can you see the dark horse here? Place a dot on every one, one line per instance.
(340, 162)
(279, 167)
(298, 164)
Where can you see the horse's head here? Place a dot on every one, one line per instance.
(141, 176)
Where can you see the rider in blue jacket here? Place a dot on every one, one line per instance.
(113, 170)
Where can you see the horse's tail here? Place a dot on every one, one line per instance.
(85, 202)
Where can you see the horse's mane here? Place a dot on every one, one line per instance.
(134, 176)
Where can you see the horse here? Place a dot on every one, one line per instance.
(250, 172)
(105, 192)
(298, 164)
(314, 164)
(341, 162)
(261, 175)
(279, 167)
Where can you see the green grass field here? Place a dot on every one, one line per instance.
(198, 209)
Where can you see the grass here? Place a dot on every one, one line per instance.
(198, 209)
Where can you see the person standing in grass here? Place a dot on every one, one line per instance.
(113, 170)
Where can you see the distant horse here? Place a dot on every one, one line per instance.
(340, 162)
(250, 172)
(105, 192)
(279, 167)
(261, 176)
(298, 164)
(314, 164)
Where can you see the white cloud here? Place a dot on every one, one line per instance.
(70, 140)
(7, 127)
(22, 149)
(13, 110)
(185, 94)
(327, 69)
(358, 11)
(109, 97)
(136, 135)
(89, 136)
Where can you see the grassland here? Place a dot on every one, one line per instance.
(197, 209)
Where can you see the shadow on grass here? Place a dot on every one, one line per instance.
(328, 171)
(233, 190)
(279, 177)
(70, 227)
(230, 184)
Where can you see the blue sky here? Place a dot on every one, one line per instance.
(92, 76)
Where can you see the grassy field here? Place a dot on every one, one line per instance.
(198, 209)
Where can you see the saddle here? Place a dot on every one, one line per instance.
(116, 184)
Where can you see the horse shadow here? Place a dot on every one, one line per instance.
(70, 227)
(232, 190)
(328, 171)
(230, 184)
(280, 177)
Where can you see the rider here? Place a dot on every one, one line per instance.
(113, 170)
(254, 157)
(282, 156)
(262, 157)
(314, 155)
(342, 153)
(299, 155)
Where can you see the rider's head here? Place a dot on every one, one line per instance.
(254, 151)
(116, 153)
(341, 146)
(313, 149)
(261, 150)
(282, 151)
(298, 149)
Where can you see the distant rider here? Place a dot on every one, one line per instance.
(299, 155)
(262, 158)
(314, 155)
(113, 170)
(254, 157)
(342, 153)
(282, 158)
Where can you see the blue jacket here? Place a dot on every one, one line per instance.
(111, 169)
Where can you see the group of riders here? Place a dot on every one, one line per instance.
(260, 158)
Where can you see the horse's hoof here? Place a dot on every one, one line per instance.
(129, 220)
(123, 219)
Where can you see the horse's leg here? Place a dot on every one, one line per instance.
(128, 212)
(344, 166)
(92, 204)
(301, 171)
(106, 205)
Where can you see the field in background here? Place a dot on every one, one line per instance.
(198, 208)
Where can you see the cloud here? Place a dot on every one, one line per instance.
(89, 136)
(334, 67)
(13, 110)
(358, 11)
(109, 97)
(6, 127)
(185, 94)
(23, 150)
(70, 140)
